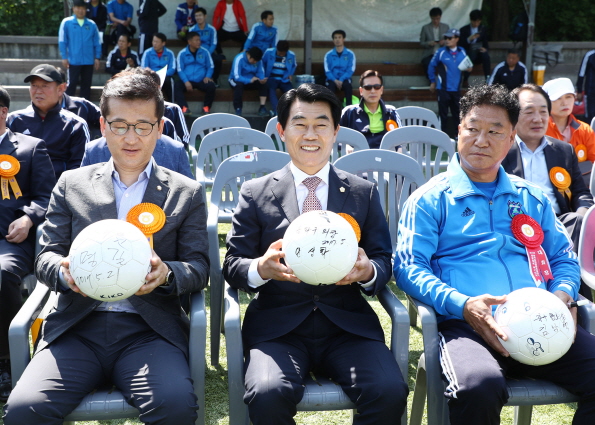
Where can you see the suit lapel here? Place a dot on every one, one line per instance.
(104, 192)
(552, 157)
(9, 144)
(157, 188)
(515, 161)
(338, 190)
(283, 188)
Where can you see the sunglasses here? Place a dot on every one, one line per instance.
(448, 38)
(369, 87)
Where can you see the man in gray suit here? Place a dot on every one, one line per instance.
(139, 344)
(431, 38)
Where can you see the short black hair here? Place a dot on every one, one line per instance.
(147, 72)
(265, 14)
(191, 35)
(255, 53)
(132, 86)
(4, 97)
(536, 89)
(370, 73)
(513, 52)
(490, 95)
(435, 11)
(475, 15)
(125, 34)
(201, 9)
(283, 45)
(338, 32)
(160, 36)
(309, 93)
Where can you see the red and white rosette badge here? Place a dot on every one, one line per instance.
(528, 232)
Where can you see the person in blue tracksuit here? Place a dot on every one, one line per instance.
(185, 17)
(264, 34)
(371, 115)
(208, 39)
(279, 66)
(339, 66)
(195, 69)
(158, 57)
(80, 48)
(247, 73)
(120, 14)
(445, 63)
(457, 252)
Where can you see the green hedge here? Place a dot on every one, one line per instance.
(31, 17)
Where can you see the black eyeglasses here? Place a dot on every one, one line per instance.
(141, 128)
(369, 87)
(448, 38)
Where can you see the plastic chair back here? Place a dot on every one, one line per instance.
(348, 136)
(271, 131)
(593, 123)
(395, 174)
(213, 122)
(416, 115)
(430, 147)
(224, 143)
(592, 180)
(224, 197)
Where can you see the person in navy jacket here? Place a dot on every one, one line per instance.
(339, 66)
(279, 66)
(122, 56)
(264, 34)
(80, 48)
(247, 73)
(445, 63)
(156, 58)
(185, 17)
(195, 69)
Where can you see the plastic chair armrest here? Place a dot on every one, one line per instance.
(586, 316)
(197, 349)
(400, 327)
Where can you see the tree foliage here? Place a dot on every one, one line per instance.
(31, 17)
(557, 20)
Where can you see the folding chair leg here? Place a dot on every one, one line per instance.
(522, 415)
(412, 315)
(216, 319)
(419, 397)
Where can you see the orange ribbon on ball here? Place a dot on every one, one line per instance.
(581, 152)
(391, 125)
(9, 168)
(561, 179)
(149, 218)
(354, 225)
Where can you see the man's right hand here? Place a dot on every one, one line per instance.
(339, 84)
(65, 63)
(433, 87)
(65, 269)
(254, 79)
(478, 313)
(188, 85)
(270, 266)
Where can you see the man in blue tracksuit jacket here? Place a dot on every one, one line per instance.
(446, 62)
(185, 17)
(80, 48)
(456, 251)
(208, 39)
(279, 66)
(156, 58)
(195, 69)
(247, 73)
(264, 34)
(339, 66)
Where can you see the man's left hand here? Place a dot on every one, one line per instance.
(156, 276)
(362, 271)
(18, 230)
(96, 64)
(573, 311)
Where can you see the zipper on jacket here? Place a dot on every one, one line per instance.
(491, 202)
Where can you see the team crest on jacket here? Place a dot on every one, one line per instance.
(514, 208)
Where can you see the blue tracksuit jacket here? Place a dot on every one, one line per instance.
(262, 37)
(339, 67)
(268, 61)
(79, 44)
(449, 75)
(151, 60)
(195, 68)
(242, 71)
(208, 36)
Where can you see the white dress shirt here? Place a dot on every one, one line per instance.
(301, 191)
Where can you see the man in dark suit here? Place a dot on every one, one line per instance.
(291, 328)
(534, 155)
(474, 39)
(139, 344)
(19, 216)
(168, 153)
(431, 38)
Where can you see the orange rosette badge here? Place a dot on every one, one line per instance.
(581, 152)
(149, 218)
(9, 168)
(561, 179)
(354, 225)
(391, 125)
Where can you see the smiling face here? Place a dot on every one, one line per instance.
(309, 135)
(562, 107)
(130, 151)
(485, 137)
(200, 18)
(45, 94)
(269, 20)
(533, 117)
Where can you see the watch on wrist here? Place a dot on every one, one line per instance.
(169, 277)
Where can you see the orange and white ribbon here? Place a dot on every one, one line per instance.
(391, 125)
(561, 179)
(9, 168)
(149, 218)
(581, 152)
(354, 225)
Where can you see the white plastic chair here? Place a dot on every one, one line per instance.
(348, 136)
(271, 131)
(416, 115)
(213, 122)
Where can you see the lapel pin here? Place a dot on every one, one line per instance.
(341, 189)
(158, 187)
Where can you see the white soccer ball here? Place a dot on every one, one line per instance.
(320, 247)
(539, 326)
(110, 259)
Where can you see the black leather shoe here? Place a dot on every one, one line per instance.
(5, 380)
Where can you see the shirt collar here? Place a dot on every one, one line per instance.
(3, 135)
(144, 175)
(461, 184)
(524, 148)
(378, 110)
(299, 176)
